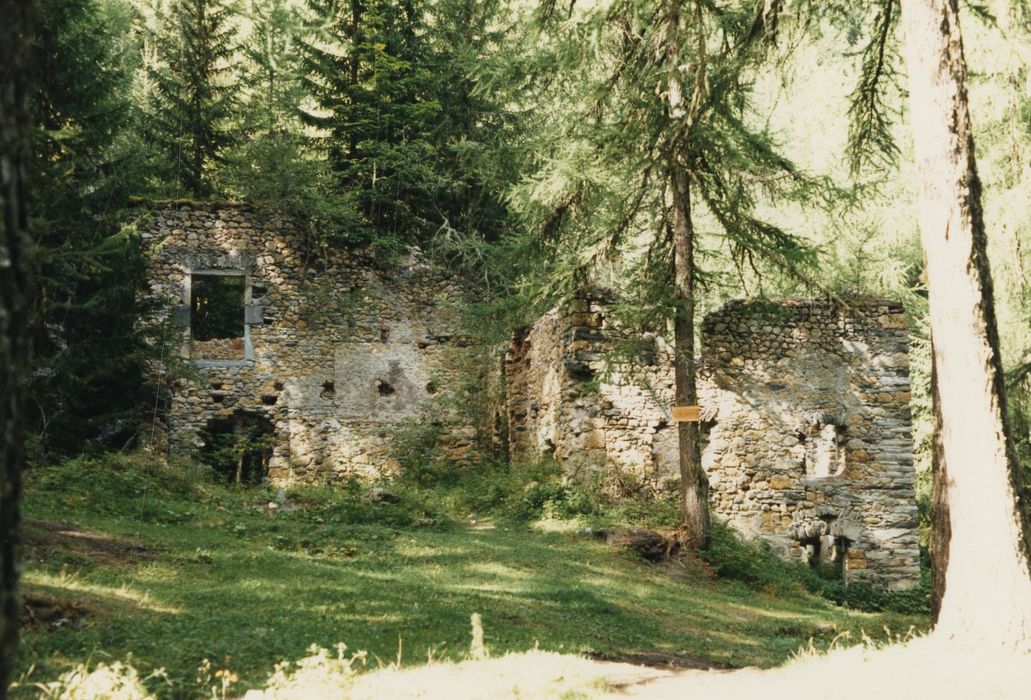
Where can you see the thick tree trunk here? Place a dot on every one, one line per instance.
(694, 485)
(15, 308)
(987, 595)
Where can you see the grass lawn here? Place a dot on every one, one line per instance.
(144, 561)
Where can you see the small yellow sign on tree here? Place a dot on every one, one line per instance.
(687, 414)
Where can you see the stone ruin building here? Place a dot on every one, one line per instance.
(806, 422)
(320, 358)
(572, 397)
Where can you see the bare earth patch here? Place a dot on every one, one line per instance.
(42, 539)
(43, 611)
(658, 659)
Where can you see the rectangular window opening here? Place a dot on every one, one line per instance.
(217, 307)
(825, 450)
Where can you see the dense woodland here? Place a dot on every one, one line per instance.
(679, 152)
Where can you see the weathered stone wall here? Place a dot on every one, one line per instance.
(811, 444)
(806, 421)
(571, 398)
(336, 353)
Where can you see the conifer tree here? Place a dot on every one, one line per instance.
(193, 103)
(657, 102)
(475, 136)
(989, 547)
(270, 163)
(271, 68)
(90, 358)
(365, 66)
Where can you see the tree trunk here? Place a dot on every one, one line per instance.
(987, 597)
(941, 528)
(15, 278)
(694, 485)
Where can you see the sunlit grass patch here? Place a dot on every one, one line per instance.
(245, 588)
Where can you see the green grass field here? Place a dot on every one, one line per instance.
(124, 558)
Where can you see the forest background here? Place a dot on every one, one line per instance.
(489, 133)
(531, 148)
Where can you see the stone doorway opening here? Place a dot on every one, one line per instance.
(826, 545)
(238, 447)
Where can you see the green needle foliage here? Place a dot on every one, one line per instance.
(366, 66)
(193, 104)
(88, 387)
(604, 190)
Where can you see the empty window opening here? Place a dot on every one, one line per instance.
(431, 388)
(822, 446)
(648, 352)
(216, 306)
(238, 447)
(826, 555)
(384, 388)
(269, 399)
(328, 390)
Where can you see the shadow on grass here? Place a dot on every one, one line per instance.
(247, 589)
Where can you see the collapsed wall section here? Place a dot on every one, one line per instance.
(332, 351)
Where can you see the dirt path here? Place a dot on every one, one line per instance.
(919, 669)
(922, 668)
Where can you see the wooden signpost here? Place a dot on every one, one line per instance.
(687, 414)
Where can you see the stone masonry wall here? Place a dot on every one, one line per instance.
(811, 444)
(336, 353)
(806, 422)
(571, 399)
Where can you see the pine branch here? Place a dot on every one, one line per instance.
(870, 141)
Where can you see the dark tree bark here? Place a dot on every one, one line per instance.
(987, 592)
(941, 527)
(15, 305)
(694, 485)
